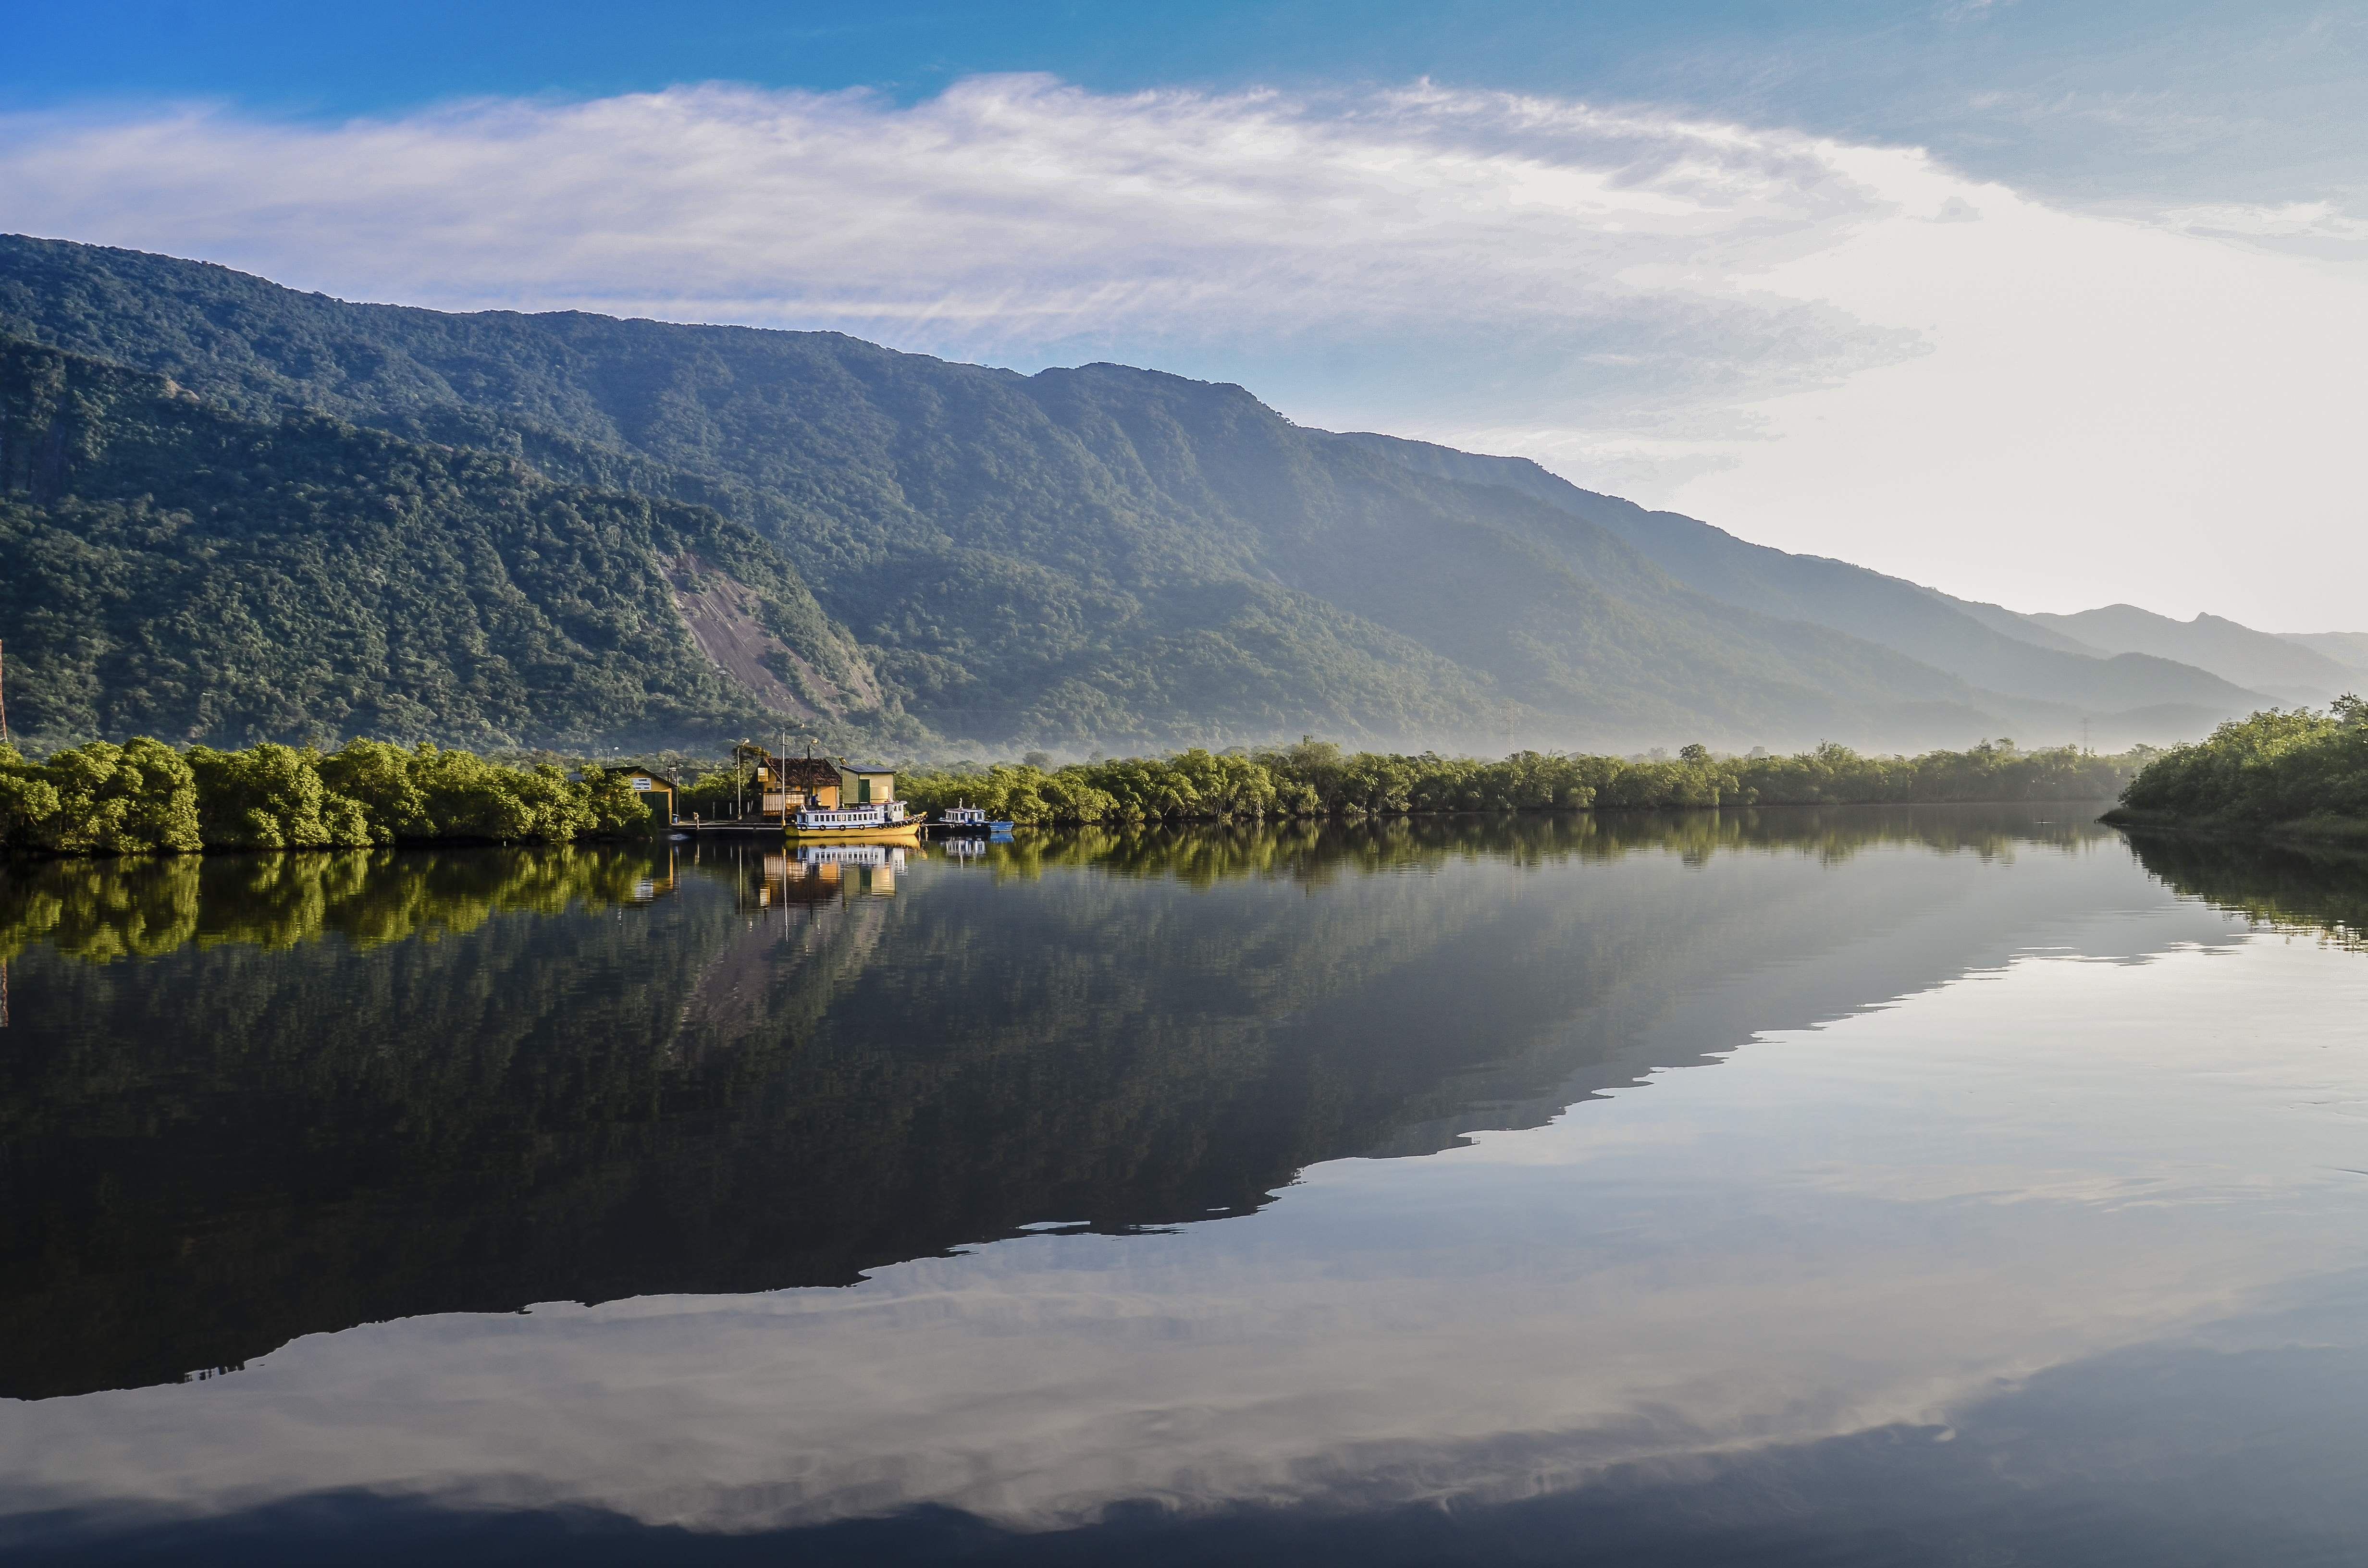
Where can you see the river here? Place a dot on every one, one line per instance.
(1851, 1186)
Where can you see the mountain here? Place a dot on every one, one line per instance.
(2287, 668)
(2349, 649)
(175, 568)
(2011, 656)
(2012, 623)
(1106, 557)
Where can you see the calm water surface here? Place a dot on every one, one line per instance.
(1951, 1185)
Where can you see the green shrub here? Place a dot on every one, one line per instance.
(468, 797)
(271, 797)
(611, 805)
(1317, 778)
(379, 777)
(100, 799)
(2274, 767)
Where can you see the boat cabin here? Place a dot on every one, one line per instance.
(867, 868)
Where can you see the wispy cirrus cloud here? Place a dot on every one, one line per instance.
(1775, 328)
(1012, 216)
(2319, 227)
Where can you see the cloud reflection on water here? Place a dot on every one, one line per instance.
(1887, 1220)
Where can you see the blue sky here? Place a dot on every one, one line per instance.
(2081, 281)
(2099, 99)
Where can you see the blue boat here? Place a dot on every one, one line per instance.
(970, 822)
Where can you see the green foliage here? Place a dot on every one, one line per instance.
(99, 911)
(2276, 768)
(1317, 777)
(468, 797)
(605, 803)
(271, 797)
(101, 799)
(379, 777)
(717, 794)
(177, 570)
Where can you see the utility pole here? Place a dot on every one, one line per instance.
(2084, 736)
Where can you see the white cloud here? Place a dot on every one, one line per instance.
(1844, 349)
(2311, 227)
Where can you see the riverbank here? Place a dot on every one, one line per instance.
(1317, 778)
(145, 797)
(2319, 830)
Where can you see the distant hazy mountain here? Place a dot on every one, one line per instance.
(2349, 649)
(1988, 647)
(2017, 625)
(1113, 558)
(2292, 669)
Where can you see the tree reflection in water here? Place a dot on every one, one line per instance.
(245, 1099)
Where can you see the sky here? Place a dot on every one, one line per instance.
(2044, 303)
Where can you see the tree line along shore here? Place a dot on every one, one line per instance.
(145, 796)
(2295, 773)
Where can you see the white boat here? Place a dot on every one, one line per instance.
(852, 855)
(968, 821)
(873, 822)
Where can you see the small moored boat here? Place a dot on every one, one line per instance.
(969, 822)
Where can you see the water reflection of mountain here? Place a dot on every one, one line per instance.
(341, 1090)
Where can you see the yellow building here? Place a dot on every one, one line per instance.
(863, 786)
(657, 792)
(787, 784)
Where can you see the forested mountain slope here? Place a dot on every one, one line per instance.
(177, 570)
(1992, 648)
(1086, 557)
